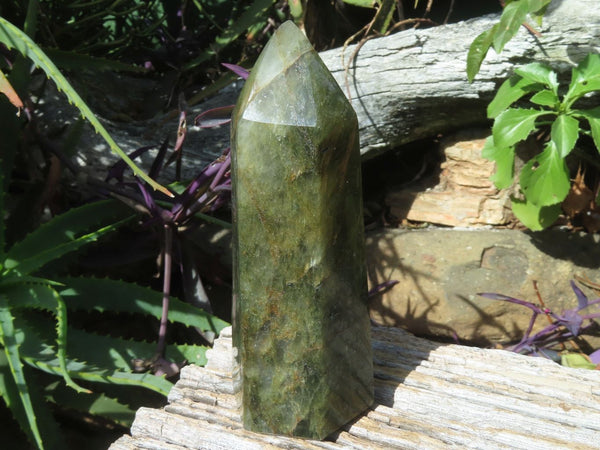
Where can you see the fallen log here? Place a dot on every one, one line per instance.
(413, 84)
(404, 87)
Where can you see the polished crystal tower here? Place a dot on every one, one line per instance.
(301, 323)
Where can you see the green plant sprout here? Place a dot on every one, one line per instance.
(513, 16)
(545, 179)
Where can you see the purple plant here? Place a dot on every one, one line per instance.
(570, 324)
(204, 195)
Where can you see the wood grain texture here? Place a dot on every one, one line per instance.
(428, 396)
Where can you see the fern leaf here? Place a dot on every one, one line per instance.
(118, 296)
(13, 37)
(63, 234)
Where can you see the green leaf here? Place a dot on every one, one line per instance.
(477, 52)
(70, 60)
(564, 134)
(545, 178)
(505, 162)
(255, 12)
(534, 217)
(577, 361)
(585, 78)
(514, 125)
(98, 404)
(42, 296)
(118, 296)
(546, 98)
(512, 18)
(12, 351)
(538, 73)
(537, 9)
(48, 427)
(102, 359)
(361, 3)
(384, 15)
(593, 118)
(64, 234)
(509, 92)
(13, 37)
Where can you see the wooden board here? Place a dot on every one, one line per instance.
(428, 396)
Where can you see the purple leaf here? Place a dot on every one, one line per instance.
(238, 70)
(582, 300)
(117, 170)
(214, 117)
(595, 357)
(382, 287)
(572, 320)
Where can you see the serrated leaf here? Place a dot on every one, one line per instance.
(545, 98)
(512, 18)
(514, 125)
(593, 118)
(534, 217)
(545, 178)
(98, 404)
(564, 134)
(505, 162)
(539, 73)
(12, 351)
(65, 233)
(91, 357)
(509, 92)
(13, 37)
(477, 52)
(42, 296)
(118, 296)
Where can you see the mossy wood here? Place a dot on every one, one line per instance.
(301, 324)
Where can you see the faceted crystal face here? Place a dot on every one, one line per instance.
(279, 74)
(301, 324)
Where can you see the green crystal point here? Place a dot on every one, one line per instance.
(301, 323)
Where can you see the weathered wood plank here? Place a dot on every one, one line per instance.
(428, 395)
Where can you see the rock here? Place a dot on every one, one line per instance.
(301, 323)
(462, 194)
(440, 272)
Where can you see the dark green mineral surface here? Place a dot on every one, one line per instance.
(301, 324)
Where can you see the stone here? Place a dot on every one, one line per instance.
(300, 316)
(461, 194)
(440, 272)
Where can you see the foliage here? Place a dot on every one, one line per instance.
(513, 16)
(564, 327)
(34, 327)
(12, 37)
(544, 180)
